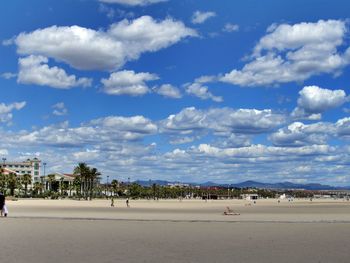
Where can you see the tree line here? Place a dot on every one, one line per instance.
(86, 185)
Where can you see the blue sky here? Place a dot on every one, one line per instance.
(180, 90)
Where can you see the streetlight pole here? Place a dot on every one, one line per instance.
(107, 187)
(228, 191)
(44, 164)
(128, 186)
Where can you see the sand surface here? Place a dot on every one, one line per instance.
(174, 231)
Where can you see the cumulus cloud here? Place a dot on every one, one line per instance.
(230, 28)
(199, 17)
(127, 82)
(123, 41)
(191, 123)
(343, 128)
(169, 91)
(313, 101)
(59, 109)
(289, 53)
(120, 144)
(103, 132)
(34, 70)
(6, 110)
(201, 91)
(300, 134)
(258, 151)
(132, 2)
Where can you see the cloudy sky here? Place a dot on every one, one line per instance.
(184, 90)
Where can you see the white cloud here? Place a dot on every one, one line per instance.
(313, 101)
(108, 133)
(343, 127)
(294, 53)
(133, 2)
(34, 70)
(299, 134)
(6, 110)
(258, 151)
(123, 41)
(230, 28)
(127, 82)
(8, 75)
(199, 17)
(222, 121)
(59, 109)
(118, 144)
(201, 91)
(169, 91)
(87, 155)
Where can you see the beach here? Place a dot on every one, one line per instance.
(176, 231)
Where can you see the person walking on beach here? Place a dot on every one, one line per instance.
(127, 202)
(112, 201)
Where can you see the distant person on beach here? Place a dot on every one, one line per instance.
(127, 202)
(229, 212)
(112, 201)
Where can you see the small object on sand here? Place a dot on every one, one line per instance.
(229, 212)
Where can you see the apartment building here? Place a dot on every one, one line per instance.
(30, 166)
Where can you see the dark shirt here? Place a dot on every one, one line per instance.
(2, 201)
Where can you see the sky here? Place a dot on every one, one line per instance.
(178, 90)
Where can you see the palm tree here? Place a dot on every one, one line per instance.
(94, 176)
(12, 183)
(77, 186)
(51, 180)
(83, 172)
(115, 186)
(3, 182)
(26, 179)
(37, 187)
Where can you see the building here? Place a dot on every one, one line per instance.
(249, 197)
(30, 166)
(59, 181)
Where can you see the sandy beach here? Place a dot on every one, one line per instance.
(175, 231)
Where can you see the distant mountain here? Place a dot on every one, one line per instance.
(250, 184)
(288, 185)
(151, 182)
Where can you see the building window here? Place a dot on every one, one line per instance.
(36, 173)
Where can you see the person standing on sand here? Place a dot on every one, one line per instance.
(2, 202)
(4, 210)
(112, 201)
(127, 202)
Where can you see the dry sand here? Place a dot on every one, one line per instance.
(174, 231)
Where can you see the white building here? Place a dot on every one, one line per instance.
(30, 166)
(249, 197)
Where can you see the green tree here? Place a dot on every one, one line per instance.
(83, 172)
(94, 177)
(51, 181)
(12, 183)
(115, 186)
(37, 187)
(26, 179)
(3, 182)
